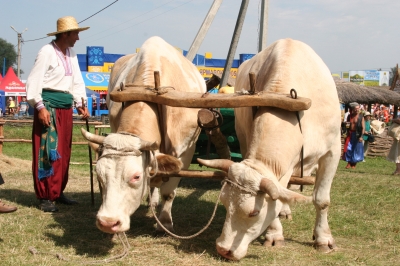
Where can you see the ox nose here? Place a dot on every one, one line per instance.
(226, 253)
(108, 225)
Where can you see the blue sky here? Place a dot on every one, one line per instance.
(347, 35)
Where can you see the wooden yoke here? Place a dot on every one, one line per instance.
(168, 96)
(219, 175)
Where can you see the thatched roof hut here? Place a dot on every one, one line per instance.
(352, 92)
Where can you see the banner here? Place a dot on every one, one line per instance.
(384, 78)
(371, 78)
(207, 72)
(357, 77)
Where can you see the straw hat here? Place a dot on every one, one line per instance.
(367, 114)
(65, 24)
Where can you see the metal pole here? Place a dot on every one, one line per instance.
(234, 43)
(203, 30)
(19, 56)
(19, 51)
(262, 38)
(4, 66)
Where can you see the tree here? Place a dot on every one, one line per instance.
(8, 52)
(392, 74)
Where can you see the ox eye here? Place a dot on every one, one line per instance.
(134, 178)
(254, 213)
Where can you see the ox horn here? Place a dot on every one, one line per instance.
(92, 137)
(221, 164)
(148, 146)
(268, 186)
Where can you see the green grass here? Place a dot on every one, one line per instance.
(363, 217)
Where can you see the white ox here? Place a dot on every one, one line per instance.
(122, 169)
(271, 142)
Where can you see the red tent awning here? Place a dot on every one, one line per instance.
(11, 84)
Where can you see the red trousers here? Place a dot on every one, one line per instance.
(51, 187)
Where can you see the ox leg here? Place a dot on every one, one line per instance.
(153, 200)
(324, 241)
(285, 212)
(274, 234)
(168, 193)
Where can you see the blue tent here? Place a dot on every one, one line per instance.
(92, 96)
(2, 102)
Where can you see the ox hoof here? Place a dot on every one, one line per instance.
(284, 215)
(325, 248)
(275, 243)
(162, 233)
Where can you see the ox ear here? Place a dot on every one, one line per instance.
(168, 164)
(221, 164)
(276, 191)
(290, 197)
(148, 146)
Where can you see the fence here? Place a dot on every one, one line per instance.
(3, 122)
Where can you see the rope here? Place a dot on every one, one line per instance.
(155, 162)
(190, 236)
(160, 90)
(125, 252)
(240, 187)
(293, 94)
(119, 154)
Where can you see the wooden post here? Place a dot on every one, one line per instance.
(235, 40)
(395, 77)
(2, 122)
(252, 77)
(156, 80)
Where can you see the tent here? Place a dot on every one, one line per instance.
(12, 85)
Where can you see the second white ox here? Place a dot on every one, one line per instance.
(122, 168)
(271, 142)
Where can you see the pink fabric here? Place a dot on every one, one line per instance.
(51, 188)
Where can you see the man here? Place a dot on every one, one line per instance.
(353, 149)
(4, 208)
(23, 107)
(54, 83)
(103, 103)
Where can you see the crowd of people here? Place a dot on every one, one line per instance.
(379, 112)
(359, 133)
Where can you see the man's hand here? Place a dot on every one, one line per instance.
(44, 117)
(83, 111)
